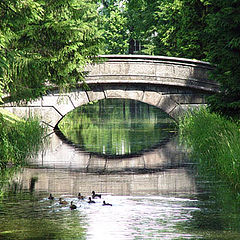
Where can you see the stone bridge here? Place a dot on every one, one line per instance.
(171, 84)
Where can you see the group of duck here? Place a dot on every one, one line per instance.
(80, 197)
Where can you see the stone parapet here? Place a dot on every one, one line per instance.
(151, 70)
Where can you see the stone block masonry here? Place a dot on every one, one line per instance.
(171, 84)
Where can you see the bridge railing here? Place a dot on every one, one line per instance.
(152, 70)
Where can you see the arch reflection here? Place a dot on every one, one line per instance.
(116, 128)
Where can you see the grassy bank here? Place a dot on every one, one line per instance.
(19, 139)
(215, 144)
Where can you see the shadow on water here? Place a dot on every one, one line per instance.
(162, 142)
(155, 194)
(165, 146)
(62, 155)
(149, 201)
(169, 204)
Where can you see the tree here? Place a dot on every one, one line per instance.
(224, 52)
(122, 29)
(14, 14)
(199, 29)
(46, 42)
(114, 27)
(167, 27)
(174, 27)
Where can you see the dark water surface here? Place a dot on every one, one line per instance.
(129, 153)
(117, 127)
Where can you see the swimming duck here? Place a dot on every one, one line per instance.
(90, 200)
(80, 196)
(73, 206)
(62, 201)
(51, 197)
(94, 195)
(106, 204)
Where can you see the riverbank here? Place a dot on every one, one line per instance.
(19, 139)
(214, 143)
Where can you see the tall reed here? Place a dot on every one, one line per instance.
(19, 140)
(215, 144)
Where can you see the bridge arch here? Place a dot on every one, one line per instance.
(171, 84)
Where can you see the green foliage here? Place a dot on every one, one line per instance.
(137, 16)
(223, 29)
(198, 29)
(49, 42)
(115, 32)
(214, 141)
(45, 42)
(165, 19)
(122, 23)
(168, 27)
(19, 140)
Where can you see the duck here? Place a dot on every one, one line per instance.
(94, 195)
(80, 197)
(62, 201)
(73, 206)
(51, 197)
(106, 204)
(90, 200)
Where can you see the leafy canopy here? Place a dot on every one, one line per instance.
(206, 30)
(43, 42)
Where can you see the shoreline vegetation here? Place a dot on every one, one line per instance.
(214, 143)
(20, 139)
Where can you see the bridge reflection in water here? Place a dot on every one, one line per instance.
(62, 169)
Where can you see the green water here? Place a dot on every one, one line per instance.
(26, 213)
(117, 127)
(164, 200)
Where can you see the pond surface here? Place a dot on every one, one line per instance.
(155, 190)
(117, 127)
